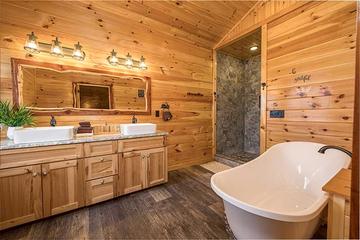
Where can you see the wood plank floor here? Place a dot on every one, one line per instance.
(184, 208)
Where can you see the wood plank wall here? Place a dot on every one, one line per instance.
(179, 63)
(316, 40)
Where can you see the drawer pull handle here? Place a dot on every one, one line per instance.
(102, 159)
(102, 181)
(27, 170)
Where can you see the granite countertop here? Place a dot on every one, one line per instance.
(6, 144)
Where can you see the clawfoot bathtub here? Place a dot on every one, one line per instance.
(278, 194)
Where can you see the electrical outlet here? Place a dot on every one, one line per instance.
(157, 113)
(277, 114)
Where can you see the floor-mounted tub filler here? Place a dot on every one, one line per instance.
(278, 194)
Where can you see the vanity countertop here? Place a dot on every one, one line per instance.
(6, 144)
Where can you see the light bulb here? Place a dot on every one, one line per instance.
(78, 54)
(128, 61)
(254, 48)
(142, 63)
(56, 49)
(113, 59)
(31, 44)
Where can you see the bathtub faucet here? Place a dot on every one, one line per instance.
(324, 148)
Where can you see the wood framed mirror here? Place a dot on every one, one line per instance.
(48, 88)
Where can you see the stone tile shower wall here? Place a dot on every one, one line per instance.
(229, 116)
(252, 79)
(238, 112)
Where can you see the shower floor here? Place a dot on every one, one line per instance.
(235, 159)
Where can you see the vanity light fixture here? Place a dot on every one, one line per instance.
(113, 59)
(142, 63)
(54, 49)
(128, 61)
(31, 44)
(78, 54)
(253, 48)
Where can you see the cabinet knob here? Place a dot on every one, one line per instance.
(102, 159)
(45, 173)
(35, 174)
(27, 170)
(102, 181)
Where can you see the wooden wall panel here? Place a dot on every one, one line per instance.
(179, 63)
(317, 41)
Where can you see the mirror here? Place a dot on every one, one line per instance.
(58, 89)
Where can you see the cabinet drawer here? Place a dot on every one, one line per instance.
(99, 148)
(102, 166)
(100, 190)
(140, 143)
(31, 156)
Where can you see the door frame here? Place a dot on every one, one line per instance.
(354, 202)
(263, 92)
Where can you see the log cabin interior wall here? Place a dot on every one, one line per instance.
(308, 64)
(311, 74)
(176, 38)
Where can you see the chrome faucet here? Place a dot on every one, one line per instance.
(324, 148)
(134, 119)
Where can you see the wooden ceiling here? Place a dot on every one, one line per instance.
(205, 20)
(241, 48)
(201, 22)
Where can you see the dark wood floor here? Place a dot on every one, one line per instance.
(184, 208)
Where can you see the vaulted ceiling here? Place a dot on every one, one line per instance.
(201, 22)
(209, 20)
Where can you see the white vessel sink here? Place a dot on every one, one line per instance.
(43, 134)
(137, 128)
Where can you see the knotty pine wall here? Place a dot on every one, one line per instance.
(178, 63)
(317, 40)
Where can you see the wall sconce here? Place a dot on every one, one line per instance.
(54, 49)
(128, 61)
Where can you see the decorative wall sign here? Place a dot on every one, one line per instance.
(195, 94)
(303, 78)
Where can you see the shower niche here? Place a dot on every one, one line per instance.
(238, 91)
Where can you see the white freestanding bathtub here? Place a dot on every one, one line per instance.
(278, 194)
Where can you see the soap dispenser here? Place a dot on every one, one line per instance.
(52, 121)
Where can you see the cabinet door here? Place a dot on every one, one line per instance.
(131, 172)
(63, 186)
(20, 195)
(156, 166)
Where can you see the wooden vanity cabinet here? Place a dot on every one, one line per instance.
(142, 164)
(20, 195)
(31, 192)
(63, 186)
(101, 169)
(43, 181)
(156, 166)
(131, 172)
